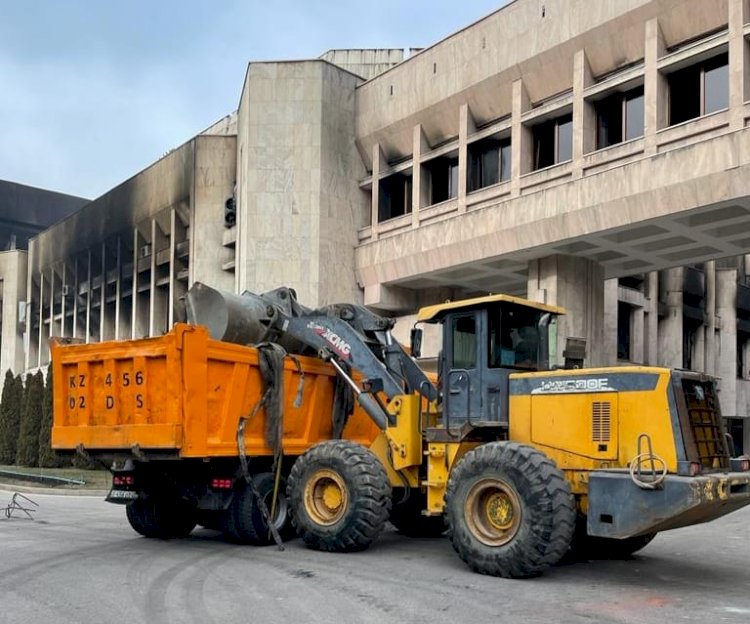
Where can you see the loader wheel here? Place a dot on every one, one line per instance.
(339, 496)
(161, 518)
(408, 519)
(509, 509)
(243, 520)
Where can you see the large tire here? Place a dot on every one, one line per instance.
(408, 519)
(339, 496)
(510, 511)
(160, 518)
(243, 520)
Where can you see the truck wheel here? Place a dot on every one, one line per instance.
(588, 547)
(161, 518)
(509, 509)
(340, 496)
(408, 519)
(243, 521)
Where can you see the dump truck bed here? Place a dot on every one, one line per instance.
(184, 394)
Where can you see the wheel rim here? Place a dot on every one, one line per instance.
(326, 497)
(279, 512)
(493, 511)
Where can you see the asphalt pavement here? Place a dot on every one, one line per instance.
(79, 562)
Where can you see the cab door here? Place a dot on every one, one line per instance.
(462, 381)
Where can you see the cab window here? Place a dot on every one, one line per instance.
(514, 339)
(464, 342)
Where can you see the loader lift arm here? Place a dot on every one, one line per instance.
(346, 335)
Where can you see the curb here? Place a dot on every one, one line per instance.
(25, 489)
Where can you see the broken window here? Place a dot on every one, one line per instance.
(619, 118)
(489, 162)
(553, 142)
(443, 176)
(699, 90)
(394, 197)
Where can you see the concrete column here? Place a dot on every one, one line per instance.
(584, 118)
(521, 147)
(420, 183)
(609, 344)
(379, 164)
(41, 319)
(118, 289)
(709, 345)
(637, 335)
(88, 296)
(576, 284)
(726, 370)
(655, 90)
(670, 327)
(466, 126)
(103, 316)
(63, 298)
(651, 321)
(739, 63)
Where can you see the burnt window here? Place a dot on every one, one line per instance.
(443, 175)
(699, 90)
(624, 330)
(489, 162)
(553, 141)
(394, 197)
(619, 118)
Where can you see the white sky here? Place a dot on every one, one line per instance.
(93, 91)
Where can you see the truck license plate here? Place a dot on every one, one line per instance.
(123, 494)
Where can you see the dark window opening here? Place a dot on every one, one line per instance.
(699, 90)
(619, 118)
(624, 324)
(553, 142)
(689, 336)
(489, 162)
(443, 174)
(742, 340)
(395, 197)
(636, 282)
(743, 331)
(464, 342)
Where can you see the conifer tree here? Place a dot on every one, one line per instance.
(47, 457)
(27, 453)
(10, 418)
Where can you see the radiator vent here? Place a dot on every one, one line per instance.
(601, 417)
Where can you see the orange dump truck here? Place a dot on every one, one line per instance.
(168, 410)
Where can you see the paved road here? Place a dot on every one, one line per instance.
(80, 563)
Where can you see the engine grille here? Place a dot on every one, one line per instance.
(601, 419)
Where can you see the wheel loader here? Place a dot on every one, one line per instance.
(261, 416)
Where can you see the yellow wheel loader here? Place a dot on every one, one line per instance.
(521, 461)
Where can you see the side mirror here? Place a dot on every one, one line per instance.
(416, 342)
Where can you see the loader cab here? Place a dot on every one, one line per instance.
(484, 341)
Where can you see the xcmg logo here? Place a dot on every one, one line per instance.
(342, 348)
(559, 386)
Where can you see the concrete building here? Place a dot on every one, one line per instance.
(590, 154)
(24, 212)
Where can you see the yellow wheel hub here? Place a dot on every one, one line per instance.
(499, 509)
(326, 497)
(493, 511)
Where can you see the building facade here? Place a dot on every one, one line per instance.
(589, 154)
(25, 211)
